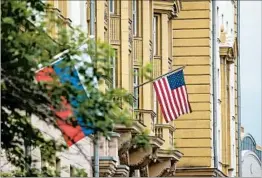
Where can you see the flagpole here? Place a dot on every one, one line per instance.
(96, 135)
(176, 70)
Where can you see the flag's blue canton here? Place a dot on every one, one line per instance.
(176, 80)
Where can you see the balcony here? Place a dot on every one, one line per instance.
(137, 50)
(146, 118)
(114, 33)
(165, 132)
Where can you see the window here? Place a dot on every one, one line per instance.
(112, 71)
(155, 101)
(171, 138)
(136, 90)
(155, 34)
(79, 17)
(135, 19)
(218, 23)
(112, 6)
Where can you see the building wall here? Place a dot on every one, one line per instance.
(78, 155)
(226, 28)
(192, 48)
(183, 41)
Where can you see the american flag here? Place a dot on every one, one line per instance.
(172, 95)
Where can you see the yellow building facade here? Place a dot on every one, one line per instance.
(192, 39)
(170, 34)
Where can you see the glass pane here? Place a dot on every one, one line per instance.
(136, 90)
(134, 17)
(155, 34)
(111, 6)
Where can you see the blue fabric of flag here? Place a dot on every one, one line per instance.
(176, 80)
(66, 75)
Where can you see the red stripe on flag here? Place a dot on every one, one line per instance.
(187, 101)
(182, 104)
(70, 133)
(165, 100)
(184, 99)
(160, 101)
(171, 100)
(175, 95)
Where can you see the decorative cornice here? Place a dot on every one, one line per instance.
(107, 166)
(136, 127)
(153, 114)
(143, 162)
(164, 172)
(170, 127)
(229, 51)
(165, 164)
(124, 158)
(122, 171)
(145, 156)
(156, 142)
(170, 7)
(170, 154)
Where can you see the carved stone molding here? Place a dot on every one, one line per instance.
(107, 166)
(140, 157)
(122, 171)
(166, 162)
(144, 171)
(124, 158)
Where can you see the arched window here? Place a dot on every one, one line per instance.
(249, 144)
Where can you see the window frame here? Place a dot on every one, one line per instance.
(156, 34)
(136, 90)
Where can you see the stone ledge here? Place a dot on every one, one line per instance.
(107, 166)
(122, 171)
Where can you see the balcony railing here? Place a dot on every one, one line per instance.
(146, 117)
(114, 29)
(137, 50)
(166, 132)
(159, 131)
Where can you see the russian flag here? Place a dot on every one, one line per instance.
(72, 134)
